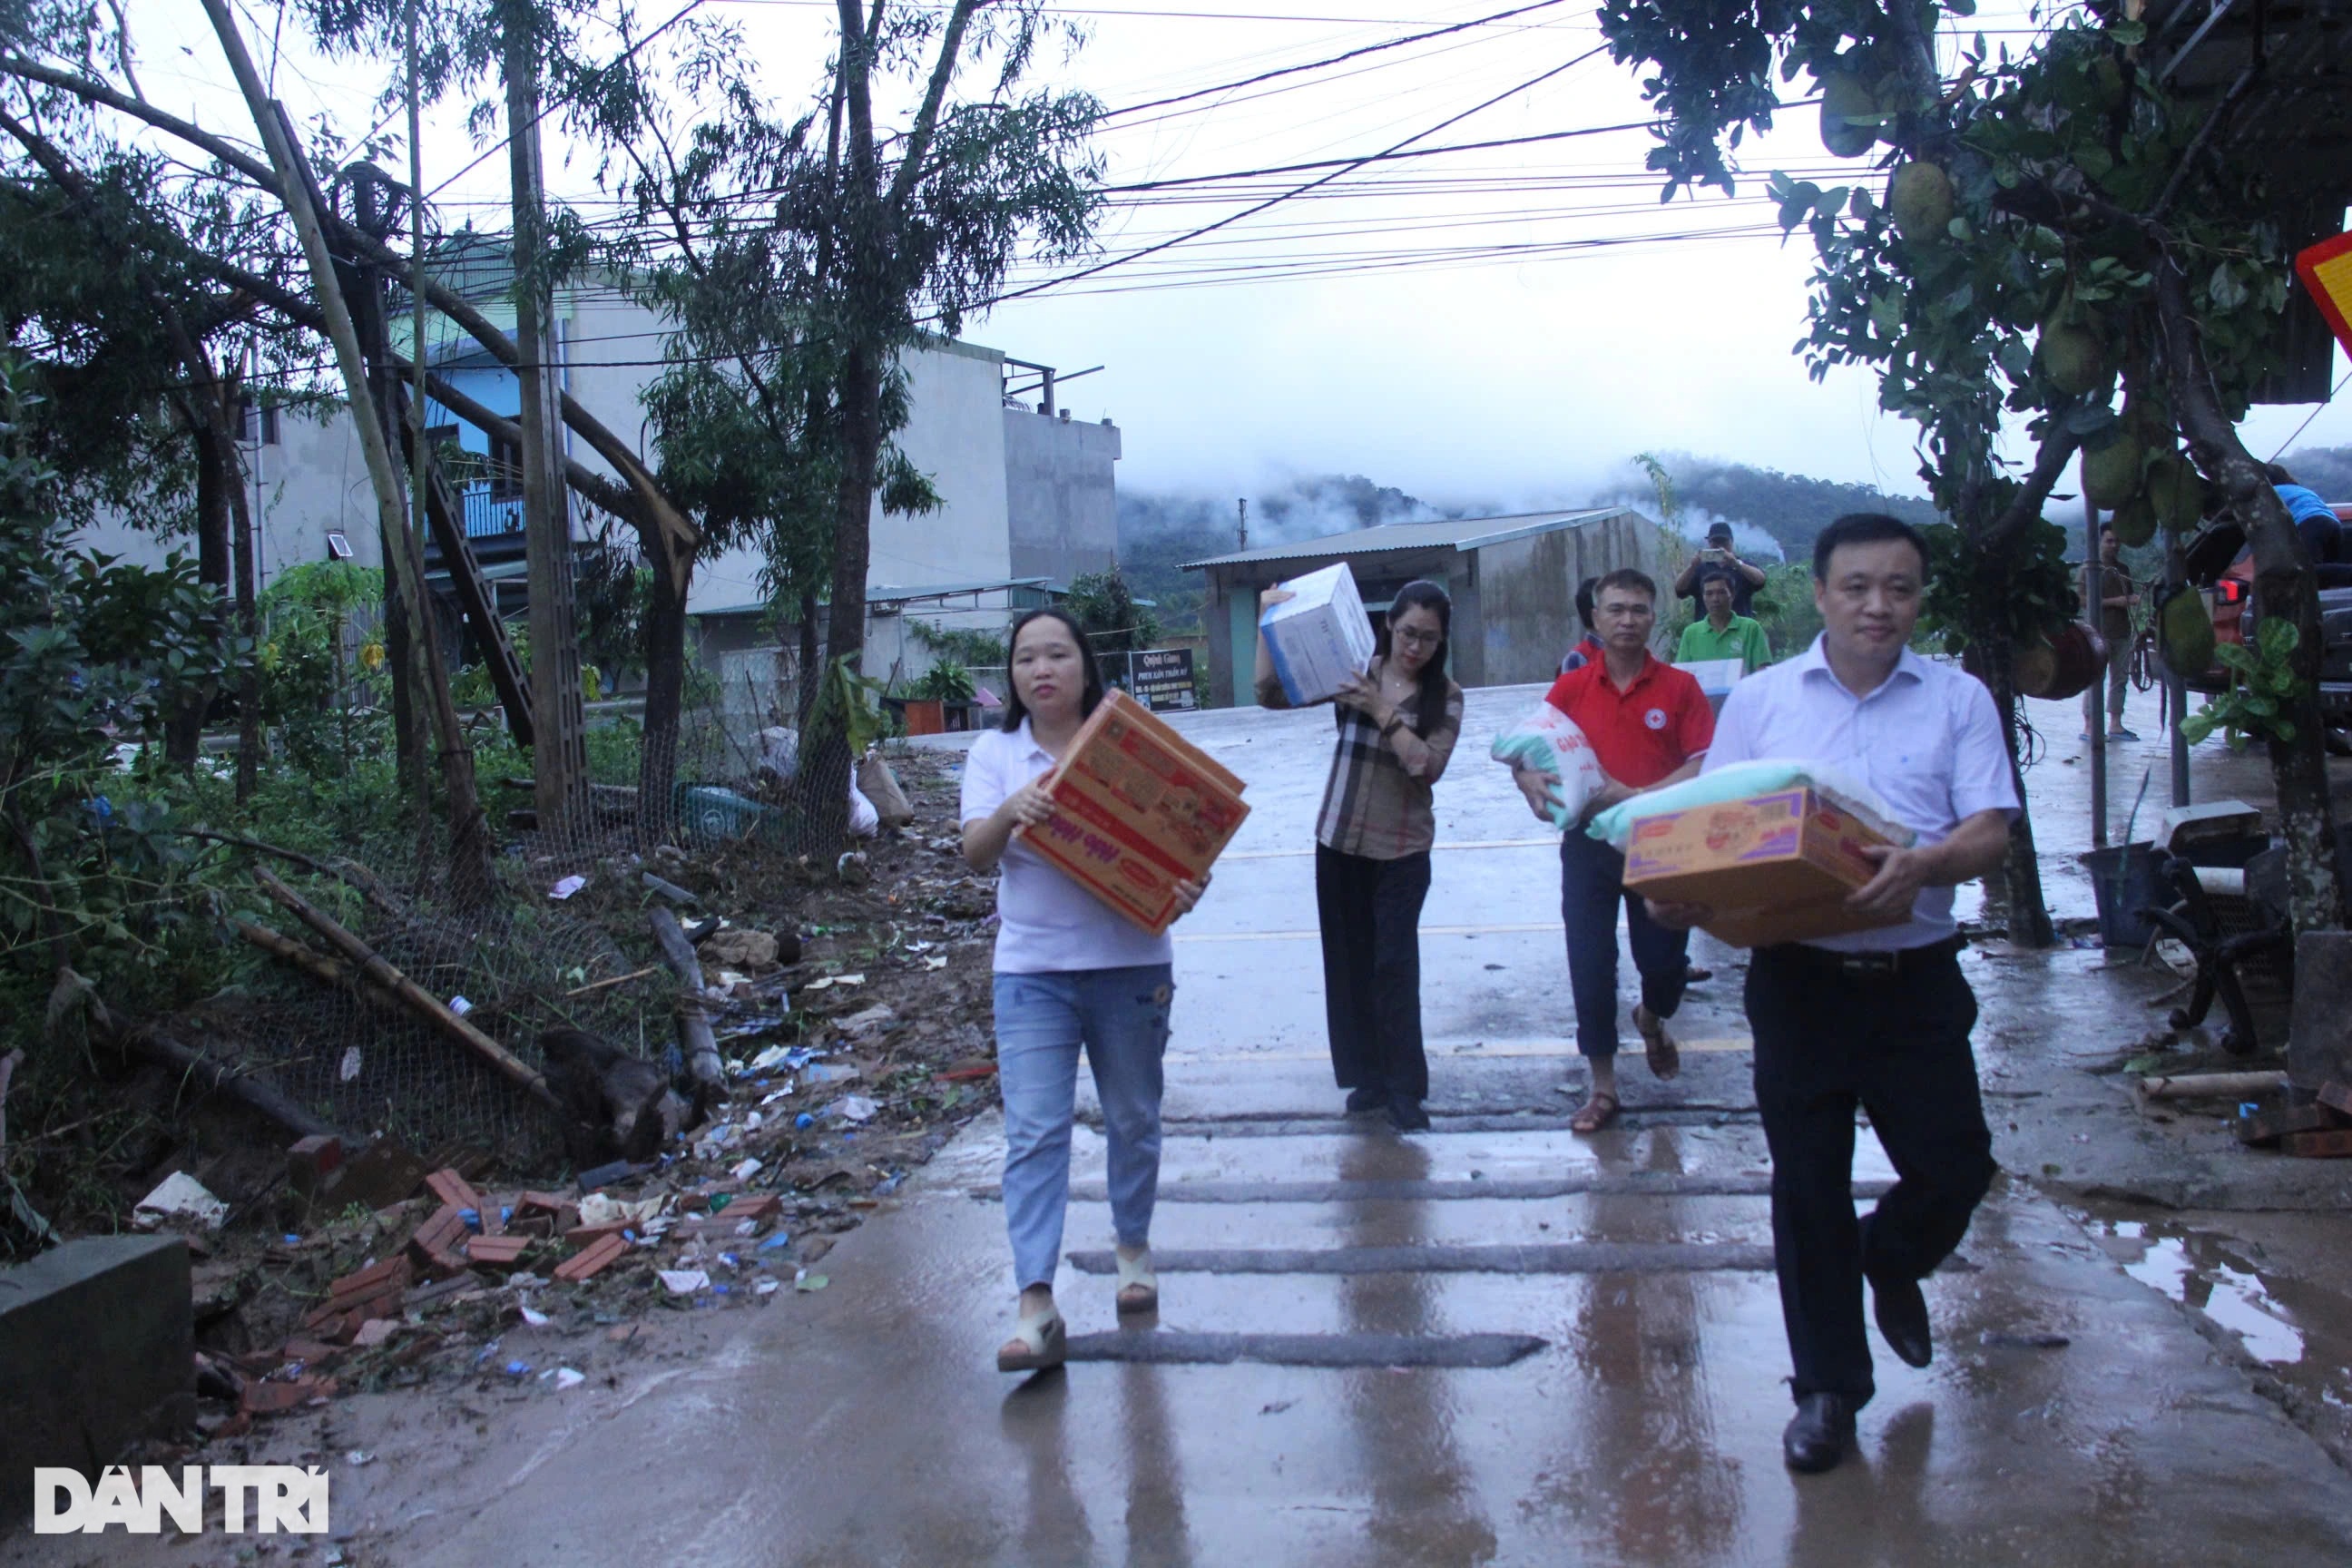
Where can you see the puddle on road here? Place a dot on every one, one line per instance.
(2299, 1329)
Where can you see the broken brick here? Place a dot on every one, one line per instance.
(438, 1245)
(374, 1331)
(457, 1192)
(546, 1214)
(2267, 1127)
(766, 1206)
(589, 1234)
(392, 1271)
(597, 1257)
(308, 1350)
(310, 1160)
(2335, 1145)
(2337, 1097)
(497, 1251)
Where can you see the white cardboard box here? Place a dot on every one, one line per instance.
(1320, 638)
(1716, 677)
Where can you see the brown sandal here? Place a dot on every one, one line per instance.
(1658, 1046)
(1595, 1113)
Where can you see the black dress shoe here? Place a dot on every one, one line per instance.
(1371, 1097)
(1816, 1439)
(1406, 1115)
(1902, 1314)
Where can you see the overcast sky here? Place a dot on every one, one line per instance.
(1615, 326)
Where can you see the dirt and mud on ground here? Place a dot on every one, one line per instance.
(459, 1276)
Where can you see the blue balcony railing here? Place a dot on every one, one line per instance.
(489, 517)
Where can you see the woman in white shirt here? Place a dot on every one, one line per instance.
(1070, 973)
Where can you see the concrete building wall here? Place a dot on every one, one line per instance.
(1061, 496)
(1527, 589)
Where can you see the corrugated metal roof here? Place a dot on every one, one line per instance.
(1389, 538)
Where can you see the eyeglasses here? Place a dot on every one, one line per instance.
(1420, 638)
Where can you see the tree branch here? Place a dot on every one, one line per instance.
(2058, 449)
(927, 120)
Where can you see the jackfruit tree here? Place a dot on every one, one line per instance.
(2053, 229)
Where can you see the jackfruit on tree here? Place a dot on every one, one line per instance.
(2111, 473)
(2185, 632)
(2074, 358)
(1919, 195)
(1844, 97)
(2177, 492)
(2135, 521)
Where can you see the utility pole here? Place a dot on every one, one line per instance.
(559, 751)
(1242, 529)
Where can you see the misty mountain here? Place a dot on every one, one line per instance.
(1789, 510)
(2327, 469)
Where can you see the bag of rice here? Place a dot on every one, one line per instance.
(1548, 742)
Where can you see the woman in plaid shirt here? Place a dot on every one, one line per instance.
(1397, 723)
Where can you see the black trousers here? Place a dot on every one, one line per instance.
(1829, 1037)
(1370, 916)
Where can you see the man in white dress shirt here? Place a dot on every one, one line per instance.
(1880, 1018)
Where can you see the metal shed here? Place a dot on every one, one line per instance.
(1512, 580)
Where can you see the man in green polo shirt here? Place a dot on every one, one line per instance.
(1723, 635)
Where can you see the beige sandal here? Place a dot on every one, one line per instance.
(1135, 1274)
(1044, 1340)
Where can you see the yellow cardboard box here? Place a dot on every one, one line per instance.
(1139, 809)
(1774, 867)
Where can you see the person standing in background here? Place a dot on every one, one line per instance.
(1588, 646)
(1722, 634)
(1397, 723)
(2117, 595)
(1719, 556)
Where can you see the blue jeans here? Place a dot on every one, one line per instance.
(1592, 886)
(1121, 1018)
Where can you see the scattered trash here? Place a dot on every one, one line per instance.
(518, 1369)
(766, 1061)
(853, 1108)
(566, 887)
(568, 1377)
(534, 1317)
(684, 1281)
(805, 1282)
(350, 1068)
(744, 1170)
(180, 1197)
(740, 947)
(764, 1288)
(826, 982)
(775, 1241)
(460, 1006)
(358, 1457)
(829, 1072)
(803, 1122)
(868, 1022)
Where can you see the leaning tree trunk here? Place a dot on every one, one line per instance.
(2284, 591)
(664, 626)
(811, 656)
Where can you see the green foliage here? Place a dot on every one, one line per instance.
(2263, 690)
(2026, 593)
(1784, 607)
(850, 703)
(1108, 613)
(93, 654)
(321, 693)
(2071, 181)
(945, 681)
(965, 645)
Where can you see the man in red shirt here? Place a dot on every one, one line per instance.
(1649, 724)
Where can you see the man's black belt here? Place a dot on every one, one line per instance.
(1864, 965)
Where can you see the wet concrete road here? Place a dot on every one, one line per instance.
(1494, 1343)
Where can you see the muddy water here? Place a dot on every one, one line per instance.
(2283, 1302)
